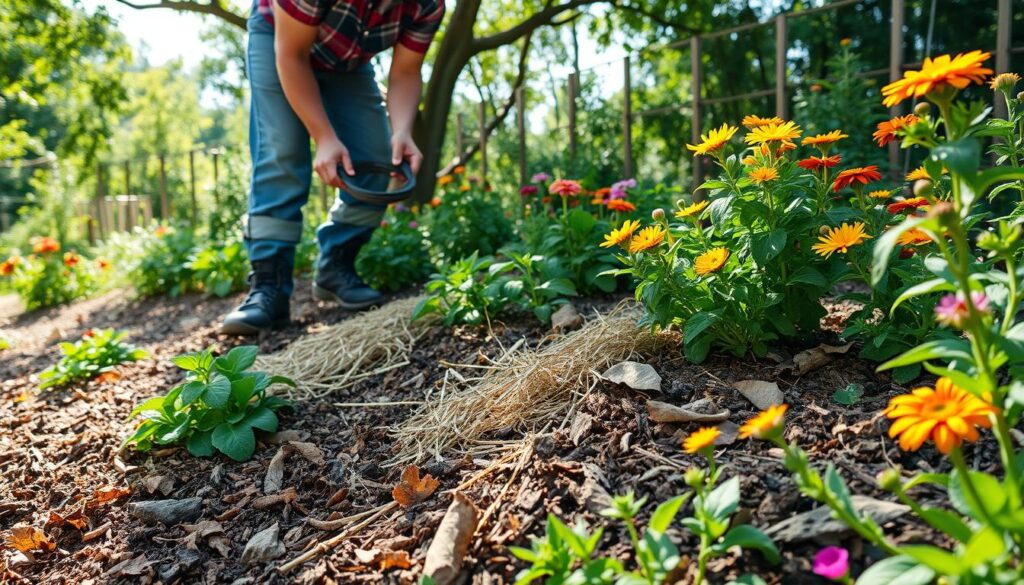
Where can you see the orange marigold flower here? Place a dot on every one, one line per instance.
(840, 239)
(602, 193)
(620, 205)
(714, 140)
(621, 235)
(886, 131)
(749, 160)
(161, 231)
(814, 163)
(946, 414)
(823, 139)
(646, 239)
(45, 245)
(464, 188)
(565, 188)
(459, 170)
(913, 237)
(71, 259)
(701, 439)
(753, 121)
(918, 174)
(764, 174)
(436, 201)
(936, 74)
(784, 132)
(711, 261)
(764, 423)
(102, 264)
(860, 175)
(8, 266)
(912, 203)
(445, 180)
(880, 194)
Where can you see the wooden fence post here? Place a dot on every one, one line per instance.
(100, 201)
(1004, 28)
(781, 41)
(570, 107)
(627, 119)
(165, 204)
(521, 131)
(460, 137)
(215, 154)
(895, 72)
(192, 182)
(127, 176)
(695, 124)
(482, 112)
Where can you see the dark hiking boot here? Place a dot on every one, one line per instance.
(267, 305)
(337, 282)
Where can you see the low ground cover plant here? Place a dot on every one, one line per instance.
(97, 352)
(397, 254)
(47, 277)
(218, 407)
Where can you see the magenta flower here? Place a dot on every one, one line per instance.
(952, 310)
(620, 190)
(832, 562)
(541, 177)
(400, 208)
(528, 190)
(414, 224)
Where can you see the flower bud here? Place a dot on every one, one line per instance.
(658, 214)
(1005, 82)
(922, 109)
(824, 230)
(890, 480)
(988, 241)
(923, 188)
(694, 477)
(1020, 96)
(845, 42)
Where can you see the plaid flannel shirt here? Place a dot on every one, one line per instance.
(351, 32)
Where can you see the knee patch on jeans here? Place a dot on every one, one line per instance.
(265, 227)
(362, 215)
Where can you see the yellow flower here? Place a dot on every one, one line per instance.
(753, 121)
(445, 180)
(647, 238)
(692, 209)
(764, 423)
(947, 414)
(701, 439)
(764, 174)
(1004, 82)
(749, 160)
(714, 140)
(463, 188)
(880, 194)
(622, 235)
(785, 132)
(939, 73)
(840, 239)
(710, 261)
(823, 139)
(918, 174)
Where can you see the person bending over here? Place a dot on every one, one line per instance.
(310, 75)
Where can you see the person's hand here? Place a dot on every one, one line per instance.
(403, 148)
(329, 153)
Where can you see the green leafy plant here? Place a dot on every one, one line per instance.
(47, 278)
(467, 218)
(537, 283)
(218, 407)
(465, 292)
(396, 255)
(97, 352)
(220, 269)
(165, 262)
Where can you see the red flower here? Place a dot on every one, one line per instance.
(45, 245)
(815, 163)
(71, 259)
(861, 175)
(8, 266)
(912, 203)
(528, 190)
(620, 205)
(886, 132)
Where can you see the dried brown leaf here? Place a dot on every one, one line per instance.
(26, 538)
(413, 489)
(76, 519)
(309, 451)
(760, 393)
(107, 494)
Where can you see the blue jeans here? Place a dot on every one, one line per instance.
(282, 158)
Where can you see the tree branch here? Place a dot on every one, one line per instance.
(502, 113)
(655, 17)
(213, 7)
(537, 20)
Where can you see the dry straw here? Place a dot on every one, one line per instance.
(341, 355)
(524, 390)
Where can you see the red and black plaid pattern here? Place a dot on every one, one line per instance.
(351, 32)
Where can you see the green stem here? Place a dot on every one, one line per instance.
(1011, 302)
(702, 559)
(957, 457)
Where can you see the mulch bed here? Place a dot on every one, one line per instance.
(58, 455)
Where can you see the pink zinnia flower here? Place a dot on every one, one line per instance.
(528, 190)
(832, 562)
(565, 188)
(621, 188)
(540, 178)
(952, 310)
(414, 224)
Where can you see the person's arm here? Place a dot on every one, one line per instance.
(292, 42)
(404, 87)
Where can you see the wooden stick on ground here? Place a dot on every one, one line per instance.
(335, 540)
